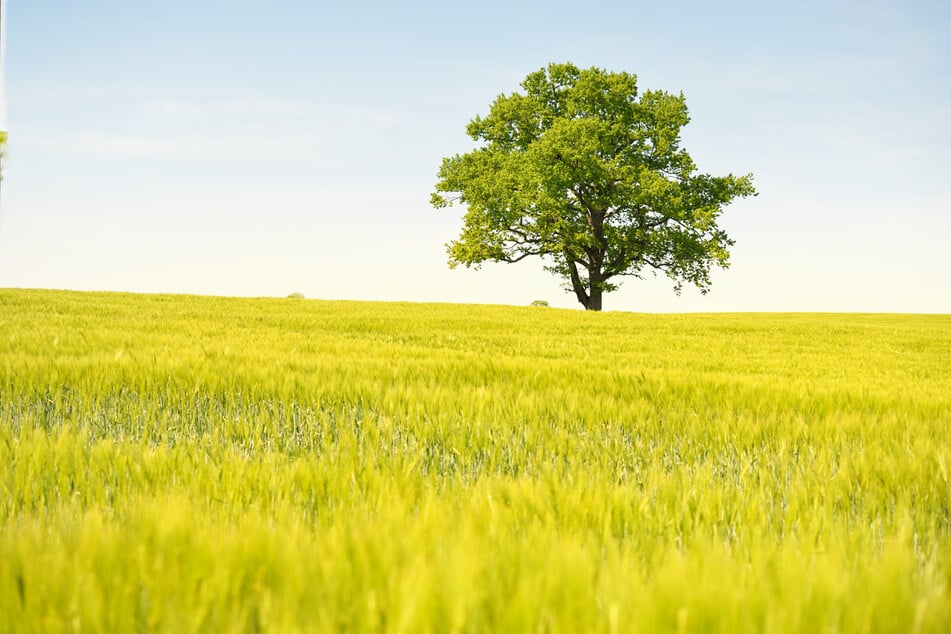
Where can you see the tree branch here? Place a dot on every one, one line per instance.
(576, 283)
(522, 256)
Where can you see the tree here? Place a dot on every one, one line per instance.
(586, 173)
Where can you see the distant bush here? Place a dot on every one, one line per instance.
(540, 302)
(296, 296)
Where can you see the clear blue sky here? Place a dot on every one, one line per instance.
(263, 148)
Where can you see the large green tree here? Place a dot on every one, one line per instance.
(586, 172)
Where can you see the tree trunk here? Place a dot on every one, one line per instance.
(594, 299)
(588, 296)
(595, 288)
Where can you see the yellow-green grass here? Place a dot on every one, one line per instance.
(186, 464)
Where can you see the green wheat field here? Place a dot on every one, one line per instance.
(198, 464)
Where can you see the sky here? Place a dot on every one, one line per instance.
(266, 148)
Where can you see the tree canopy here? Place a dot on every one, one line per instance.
(586, 172)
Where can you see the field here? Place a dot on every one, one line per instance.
(194, 464)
